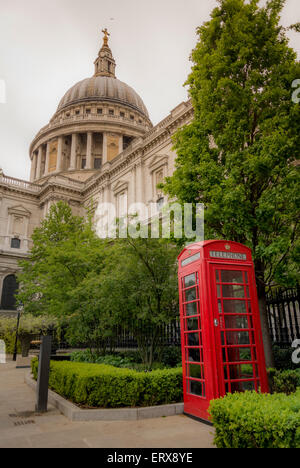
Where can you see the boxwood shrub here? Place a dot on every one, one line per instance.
(253, 420)
(99, 385)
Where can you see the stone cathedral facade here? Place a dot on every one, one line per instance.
(100, 145)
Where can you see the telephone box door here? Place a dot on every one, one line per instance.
(240, 358)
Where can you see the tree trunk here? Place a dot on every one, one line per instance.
(262, 302)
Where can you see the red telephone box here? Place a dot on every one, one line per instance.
(222, 348)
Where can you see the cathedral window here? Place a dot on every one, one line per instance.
(111, 112)
(83, 163)
(122, 114)
(15, 243)
(160, 203)
(88, 111)
(97, 163)
(99, 111)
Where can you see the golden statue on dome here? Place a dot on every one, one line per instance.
(106, 35)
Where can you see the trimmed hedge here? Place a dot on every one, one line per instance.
(283, 381)
(253, 420)
(102, 386)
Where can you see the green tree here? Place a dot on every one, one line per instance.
(66, 253)
(139, 287)
(238, 155)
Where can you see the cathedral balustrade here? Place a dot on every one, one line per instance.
(11, 181)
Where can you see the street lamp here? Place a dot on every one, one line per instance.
(20, 310)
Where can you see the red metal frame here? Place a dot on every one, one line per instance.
(222, 348)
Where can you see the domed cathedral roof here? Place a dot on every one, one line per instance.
(95, 121)
(103, 88)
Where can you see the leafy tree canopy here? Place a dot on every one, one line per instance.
(239, 154)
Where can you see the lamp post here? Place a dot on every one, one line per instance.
(20, 310)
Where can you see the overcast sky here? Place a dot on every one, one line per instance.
(48, 46)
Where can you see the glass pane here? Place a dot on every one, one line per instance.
(237, 321)
(242, 386)
(190, 295)
(233, 290)
(228, 276)
(239, 354)
(191, 308)
(246, 277)
(196, 388)
(219, 290)
(234, 307)
(193, 355)
(237, 338)
(193, 339)
(192, 324)
(190, 280)
(242, 371)
(193, 370)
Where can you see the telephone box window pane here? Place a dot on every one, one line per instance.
(233, 290)
(192, 324)
(234, 307)
(242, 386)
(237, 338)
(235, 321)
(246, 277)
(190, 295)
(193, 355)
(193, 339)
(196, 388)
(194, 370)
(243, 371)
(239, 354)
(191, 308)
(190, 280)
(228, 276)
(219, 290)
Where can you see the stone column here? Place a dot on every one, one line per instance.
(39, 163)
(73, 152)
(33, 167)
(121, 144)
(89, 150)
(59, 165)
(104, 157)
(139, 182)
(47, 159)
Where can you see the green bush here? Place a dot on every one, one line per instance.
(9, 339)
(109, 359)
(283, 358)
(284, 381)
(254, 420)
(98, 385)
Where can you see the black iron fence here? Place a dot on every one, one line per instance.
(284, 315)
(283, 306)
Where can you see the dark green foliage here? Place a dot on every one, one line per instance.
(97, 385)
(170, 356)
(238, 155)
(283, 358)
(285, 381)
(253, 420)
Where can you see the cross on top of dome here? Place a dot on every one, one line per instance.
(105, 64)
(106, 35)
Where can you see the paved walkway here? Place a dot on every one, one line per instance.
(20, 427)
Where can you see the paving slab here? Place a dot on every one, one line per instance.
(21, 427)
